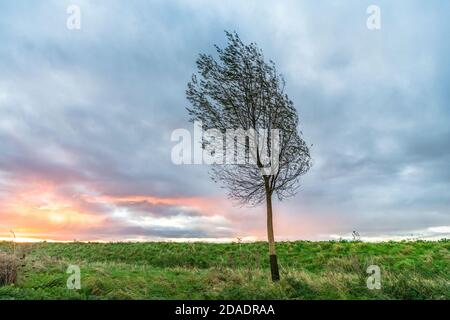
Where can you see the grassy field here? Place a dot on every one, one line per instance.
(309, 270)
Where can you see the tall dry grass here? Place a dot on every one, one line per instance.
(9, 266)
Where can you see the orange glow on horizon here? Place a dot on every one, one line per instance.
(38, 211)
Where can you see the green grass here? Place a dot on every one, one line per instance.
(309, 270)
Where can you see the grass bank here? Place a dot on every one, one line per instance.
(309, 270)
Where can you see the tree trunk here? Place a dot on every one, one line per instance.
(271, 238)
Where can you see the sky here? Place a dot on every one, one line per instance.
(86, 117)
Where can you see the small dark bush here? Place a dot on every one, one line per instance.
(8, 269)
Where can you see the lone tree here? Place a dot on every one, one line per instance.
(241, 91)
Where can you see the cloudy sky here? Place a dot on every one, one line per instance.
(86, 118)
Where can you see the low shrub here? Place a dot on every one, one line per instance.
(9, 266)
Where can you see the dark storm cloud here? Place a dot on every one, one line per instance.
(145, 208)
(121, 231)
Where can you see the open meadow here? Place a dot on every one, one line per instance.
(168, 270)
